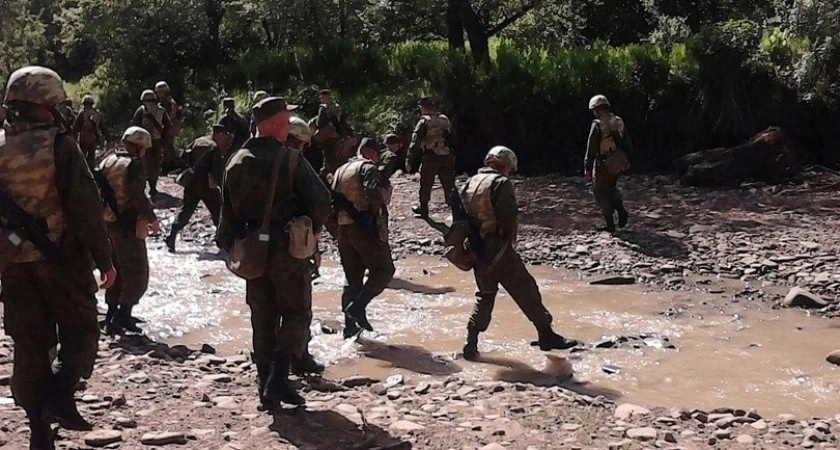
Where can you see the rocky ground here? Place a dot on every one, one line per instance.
(749, 245)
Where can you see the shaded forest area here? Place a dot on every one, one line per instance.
(685, 75)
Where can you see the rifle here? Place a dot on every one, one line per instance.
(32, 229)
(461, 219)
(106, 191)
(366, 219)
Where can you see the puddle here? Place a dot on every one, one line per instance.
(772, 361)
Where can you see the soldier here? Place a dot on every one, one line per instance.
(333, 134)
(48, 289)
(431, 149)
(490, 203)
(207, 157)
(130, 217)
(606, 136)
(89, 128)
(395, 146)
(68, 115)
(281, 299)
(152, 117)
(164, 95)
(234, 122)
(362, 235)
(258, 97)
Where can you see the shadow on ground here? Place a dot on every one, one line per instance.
(405, 285)
(409, 357)
(330, 430)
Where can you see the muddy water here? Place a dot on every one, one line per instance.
(772, 361)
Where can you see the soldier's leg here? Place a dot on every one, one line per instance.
(213, 201)
(513, 275)
(134, 263)
(354, 274)
(113, 293)
(183, 219)
(151, 165)
(618, 204)
(259, 294)
(446, 174)
(428, 171)
(602, 183)
(376, 258)
(487, 286)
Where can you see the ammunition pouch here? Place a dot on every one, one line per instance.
(302, 243)
(462, 257)
(616, 162)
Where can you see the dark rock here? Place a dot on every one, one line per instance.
(614, 281)
(208, 349)
(800, 298)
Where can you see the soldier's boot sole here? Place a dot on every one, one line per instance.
(471, 352)
(64, 412)
(307, 366)
(277, 389)
(356, 310)
(420, 211)
(554, 341)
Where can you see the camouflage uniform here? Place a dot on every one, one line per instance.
(90, 129)
(154, 119)
(125, 175)
(169, 159)
(280, 301)
(363, 247)
(238, 126)
(208, 165)
(606, 134)
(331, 131)
(46, 300)
(431, 144)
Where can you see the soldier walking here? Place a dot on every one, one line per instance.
(89, 129)
(48, 289)
(431, 150)
(608, 138)
(489, 201)
(163, 92)
(235, 123)
(152, 117)
(333, 134)
(362, 235)
(130, 217)
(281, 298)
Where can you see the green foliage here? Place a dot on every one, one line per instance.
(22, 36)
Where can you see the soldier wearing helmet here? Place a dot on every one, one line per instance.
(607, 149)
(152, 117)
(130, 217)
(206, 156)
(490, 203)
(333, 136)
(68, 114)
(431, 150)
(359, 206)
(258, 97)
(235, 123)
(89, 128)
(164, 95)
(46, 276)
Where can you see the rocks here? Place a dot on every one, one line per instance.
(613, 281)
(218, 378)
(5, 379)
(642, 434)
(834, 357)
(394, 381)
(627, 411)
(422, 388)
(723, 434)
(208, 349)
(124, 422)
(800, 298)
(165, 438)
(745, 439)
(759, 425)
(493, 446)
(358, 381)
(406, 426)
(138, 377)
(102, 438)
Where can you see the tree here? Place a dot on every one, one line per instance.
(23, 36)
(481, 20)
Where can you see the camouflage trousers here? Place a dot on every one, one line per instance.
(47, 304)
(132, 264)
(88, 148)
(513, 275)
(211, 198)
(281, 307)
(152, 163)
(434, 166)
(605, 189)
(361, 252)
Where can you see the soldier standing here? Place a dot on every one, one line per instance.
(281, 299)
(333, 134)
(130, 217)
(606, 137)
(394, 145)
(258, 97)
(152, 117)
(235, 122)
(431, 149)
(68, 115)
(173, 110)
(48, 289)
(362, 235)
(202, 182)
(490, 203)
(89, 128)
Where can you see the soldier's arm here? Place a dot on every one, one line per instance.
(627, 143)
(314, 194)
(103, 130)
(136, 189)
(77, 124)
(225, 233)
(370, 182)
(323, 117)
(507, 214)
(415, 148)
(137, 120)
(167, 125)
(592, 146)
(387, 166)
(81, 202)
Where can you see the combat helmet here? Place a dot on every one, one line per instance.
(300, 129)
(137, 136)
(148, 96)
(35, 84)
(259, 96)
(597, 101)
(162, 86)
(502, 155)
(88, 100)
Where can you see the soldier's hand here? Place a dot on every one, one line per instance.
(108, 279)
(317, 259)
(587, 175)
(154, 228)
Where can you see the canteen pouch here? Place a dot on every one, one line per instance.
(302, 243)
(248, 257)
(616, 163)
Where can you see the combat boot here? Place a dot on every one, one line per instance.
(277, 389)
(124, 319)
(61, 405)
(609, 224)
(170, 241)
(42, 436)
(623, 215)
(471, 347)
(421, 210)
(356, 309)
(109, 317)
(306, 365)
(549, 340)
(351, 328)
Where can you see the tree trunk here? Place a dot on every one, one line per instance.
(476, 33)
(342, 10)
(454, 24)
(215, 11)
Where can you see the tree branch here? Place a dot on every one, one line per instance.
(507, 21)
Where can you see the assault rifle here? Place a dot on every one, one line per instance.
(461, 224)
(367, 220)
(105, 190)
(28, 227)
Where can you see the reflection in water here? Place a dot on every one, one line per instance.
(405, 285)
(409, 357)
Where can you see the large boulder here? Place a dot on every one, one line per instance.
(770, 156)
(800, 298)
